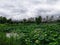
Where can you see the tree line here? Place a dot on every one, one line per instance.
(37, 20)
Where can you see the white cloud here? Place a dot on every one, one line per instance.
(19, 9)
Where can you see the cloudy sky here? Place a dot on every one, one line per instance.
(19, 9)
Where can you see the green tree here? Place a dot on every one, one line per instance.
(3, 19)
(38, 20)
(24, 20)
(9, 21)
(58, 20)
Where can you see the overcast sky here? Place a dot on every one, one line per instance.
(19, 9)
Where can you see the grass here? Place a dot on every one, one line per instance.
(30, 34)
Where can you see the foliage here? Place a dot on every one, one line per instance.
(30, 34)
(38, 20)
